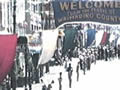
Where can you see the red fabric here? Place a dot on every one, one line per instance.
(104, 38)
(7, 54)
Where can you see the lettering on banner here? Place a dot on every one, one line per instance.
(98, 11)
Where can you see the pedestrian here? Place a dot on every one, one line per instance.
(102, 53)
(81, 61)
(99, 53)
(50, 85)
(84, 65)
(44, 87)
(65, 61)
(118, 51)
(70, 70)
(70, 53)
(77, 71)
(106, 54)
(88, 61)
(115, 48)
(60, 81)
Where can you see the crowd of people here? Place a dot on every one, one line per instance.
(91, 55)
(86, 58)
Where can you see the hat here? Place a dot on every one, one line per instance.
(61, 33)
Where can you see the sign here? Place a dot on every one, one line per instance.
(96, 11)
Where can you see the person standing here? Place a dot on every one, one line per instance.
(70, 70)
(60, 81)
(77, 71)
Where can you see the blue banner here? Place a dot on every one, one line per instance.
(96, 11)
(90, 36)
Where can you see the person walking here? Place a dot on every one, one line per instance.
(70, 70)
(60, 81)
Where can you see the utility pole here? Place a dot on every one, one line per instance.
(13, 75)
(14, 17)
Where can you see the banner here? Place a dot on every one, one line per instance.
(68, 42)
(104, 38)
(107, 39)
(90, 36)
(98, 37)
(96, 11)
(7, 54)
(49, 43)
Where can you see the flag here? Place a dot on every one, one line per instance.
(90, 36)
(7, 54)
(107, 39)
(104, 38)
(98, 37)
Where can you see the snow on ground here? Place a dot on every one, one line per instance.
(102, 76)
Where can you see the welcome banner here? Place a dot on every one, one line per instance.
(98, 11)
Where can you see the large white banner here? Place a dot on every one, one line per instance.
(49, 42)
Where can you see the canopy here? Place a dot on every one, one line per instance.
(7, 54)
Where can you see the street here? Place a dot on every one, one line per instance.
(59, 44)
(102, 76)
